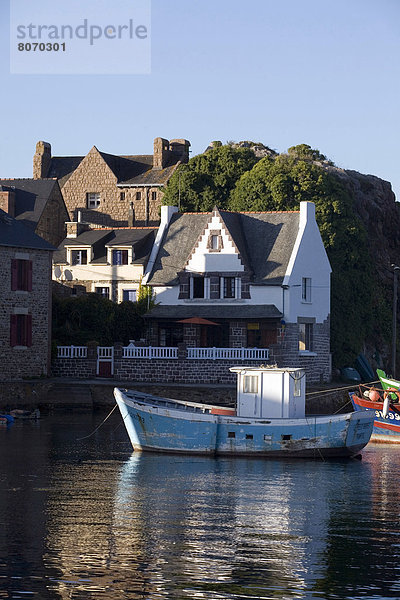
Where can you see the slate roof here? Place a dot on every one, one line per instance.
(141, 238)
(129, 170)
(214, 311)
(14, 233)
(264, 240)
(31, 196)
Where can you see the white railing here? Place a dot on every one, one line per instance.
(149, 352)
(228, 353)
(71, 351)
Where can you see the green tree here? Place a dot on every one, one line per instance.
(280, 184)
(208, 179)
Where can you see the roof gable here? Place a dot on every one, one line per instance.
(15, 234)
(31, 196)
(261, 243)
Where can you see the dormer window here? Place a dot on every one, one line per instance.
(199, 287)
(214, 242)
(120, 257)
(79, 257)
(93, 200)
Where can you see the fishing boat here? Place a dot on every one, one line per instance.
(385, 405)
(269, 420)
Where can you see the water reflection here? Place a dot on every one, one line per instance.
(86, 519)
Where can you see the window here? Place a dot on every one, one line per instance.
(21, 330)
(306, 289)
(79, 257)
(21, 275)
(250, 384)
(154, 196)
(305, 337)
(129, 295)
(231, 434)
(198, 287)
(93, 199)
(103, 291)
(120, 257)
(228, 287)
(138, 195)
(214, 243)
(122, 196)
(249, 436)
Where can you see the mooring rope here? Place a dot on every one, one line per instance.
(97, 428)
(346, 387)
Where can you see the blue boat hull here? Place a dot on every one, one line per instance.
(152, 427)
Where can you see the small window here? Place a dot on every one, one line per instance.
(306, 289)
(129, 295)
(249, 436)
(93, 199)
(79, 257)
(214, 243)
(21, 275)
(231, 434)
(154, 196)
(229, 287)
(198, 287)
(305, 337)
(250, 384)
(120, 257)
(122, 196)
(286, 437)
(21, 330)
(138, 195)
(103, 291)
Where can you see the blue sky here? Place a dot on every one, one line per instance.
(321, 72)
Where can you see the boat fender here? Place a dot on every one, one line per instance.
(385, 408)
(374, 395)
(390, 392)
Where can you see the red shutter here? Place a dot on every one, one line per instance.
(14, 274)
(28, 330)
(29, 276)
(13, 330)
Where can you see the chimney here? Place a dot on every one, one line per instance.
(131, 215)
(7, 201)
(75, 228)
(161, 153)
(41, 160)
(181, 149)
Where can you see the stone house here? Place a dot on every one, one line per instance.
(110, 262)
(113, 190)
(38, 204)
(25, 301)
(243, 280)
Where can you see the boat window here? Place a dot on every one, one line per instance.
(249, 436)
(231, 434)
(250, 384)
(267, 438)
(286, 437)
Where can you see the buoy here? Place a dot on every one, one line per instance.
(386, 403)
(374, 395)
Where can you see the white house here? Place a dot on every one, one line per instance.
(225, 279)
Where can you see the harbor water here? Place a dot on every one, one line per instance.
(85, 518)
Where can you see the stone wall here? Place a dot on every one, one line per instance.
(186, 371)
(19, 361)
(93, 175)
(51, 225)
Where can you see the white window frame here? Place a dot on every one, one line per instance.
(206, 288)
(237, 288)
(93, 199)
(105, 287)
(88, 256)
(250, 384)
(128, 289)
